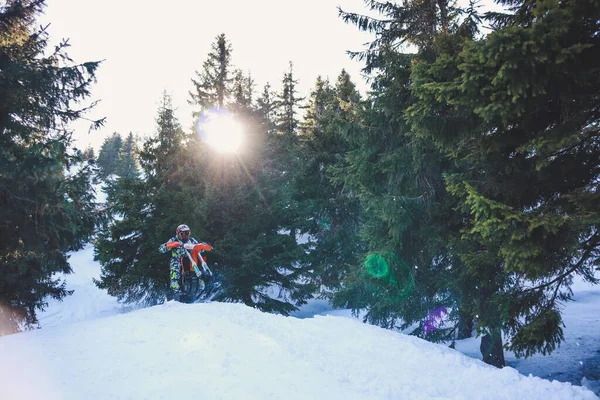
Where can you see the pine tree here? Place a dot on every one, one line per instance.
(524, 134)
(287, 105)
(149, 210)
(247, 217)
(108, 157)
(266, 108)
(331, 214)
(212, 88)
(408, 219)
(127, 161)
(89, 154)
(46, 200)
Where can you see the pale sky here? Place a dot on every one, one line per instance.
(151, 46)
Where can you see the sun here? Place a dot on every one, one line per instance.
(221, 131)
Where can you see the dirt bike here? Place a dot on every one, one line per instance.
(195, 274)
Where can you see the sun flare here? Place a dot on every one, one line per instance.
(222, 132)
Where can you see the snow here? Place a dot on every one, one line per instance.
(100, 193)
(577, 360)
(578, 356)
(87, 301)
(231, 351)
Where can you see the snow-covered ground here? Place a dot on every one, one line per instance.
(577, 360)
(230, 351)
(91, 348)
(87, 301)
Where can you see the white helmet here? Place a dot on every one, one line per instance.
(183, 232)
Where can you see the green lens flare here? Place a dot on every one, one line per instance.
(377, 266)
(395, 271)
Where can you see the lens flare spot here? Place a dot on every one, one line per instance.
(377, 266)
(220, 130)
(393, 271)
(435, 319)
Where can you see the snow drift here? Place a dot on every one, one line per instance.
(230, 351)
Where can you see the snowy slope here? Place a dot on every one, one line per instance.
(577, 359)
(578, 356)
(87, 301)
(158, 352)
(230, 351)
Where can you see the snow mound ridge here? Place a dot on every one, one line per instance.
(230, 351)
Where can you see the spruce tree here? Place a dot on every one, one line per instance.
(288, 103)
(330, 213)
(46, 200)
(408, 219)
(406, 215)
(247, 217)
(245, 209)
(89, 154)
(228, 200)
(524, 134)
(242, 93)
(108, 157)
(415, 23)
(212, 86)
(148, 212)
(127, 161)
(284, 147)
(266, 105)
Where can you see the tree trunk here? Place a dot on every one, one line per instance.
(465, 326)
(491, 348)
(443, 4)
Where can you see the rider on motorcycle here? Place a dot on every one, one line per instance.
(178, 246)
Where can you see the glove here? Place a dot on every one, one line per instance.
(172, 245)
(189, 246)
